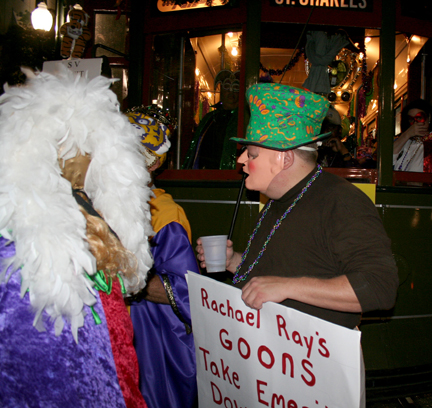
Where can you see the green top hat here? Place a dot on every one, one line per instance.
(283, 117)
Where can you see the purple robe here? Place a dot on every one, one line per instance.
(165, 350)
(38, 369)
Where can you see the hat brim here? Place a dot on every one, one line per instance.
(276, 145)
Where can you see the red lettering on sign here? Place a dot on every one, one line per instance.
(260, 391)
(285, 357)
(324, 353)
(265, 349)
(204, 297)
(205, 352)
(218, 399)
(248, 350)
(281, 323)
(311, 382)
(226, 344)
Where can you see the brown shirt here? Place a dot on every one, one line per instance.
(333, 230)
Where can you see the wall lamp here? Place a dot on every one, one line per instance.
(41, 18)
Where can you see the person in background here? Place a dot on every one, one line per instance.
(303, 253)
(160, 314)
(74, 228)
(412, 149)
(333, 152)
(210, 148)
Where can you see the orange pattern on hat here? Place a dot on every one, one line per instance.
(262, 108)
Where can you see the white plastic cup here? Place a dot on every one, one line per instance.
(215, 247)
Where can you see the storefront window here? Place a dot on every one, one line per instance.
(197, 78)
(111, 32)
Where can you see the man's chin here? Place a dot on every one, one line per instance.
(230, 106)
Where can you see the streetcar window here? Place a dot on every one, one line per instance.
(284, 59)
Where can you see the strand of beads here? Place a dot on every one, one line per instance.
(239, 278)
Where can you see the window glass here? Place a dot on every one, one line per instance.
(120, 87)
(412, 149)
(111, 32)
(353, 89)
(284, 59)
(110, 43)
(207, 74)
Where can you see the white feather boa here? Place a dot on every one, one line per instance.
(70, 114)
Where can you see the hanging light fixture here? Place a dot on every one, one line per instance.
(41, 18)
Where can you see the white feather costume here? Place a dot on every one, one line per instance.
(69, 114)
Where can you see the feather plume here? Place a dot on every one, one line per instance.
(55, 116)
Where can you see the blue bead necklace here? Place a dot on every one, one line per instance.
(239, 278)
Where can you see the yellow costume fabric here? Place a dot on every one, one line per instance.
(163, 212)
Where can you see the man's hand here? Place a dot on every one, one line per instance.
(418, 129)
(264, 289)
(334, 293)
(336, 145)
(155, 291)
(233, 258)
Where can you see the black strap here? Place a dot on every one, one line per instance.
(88, 206)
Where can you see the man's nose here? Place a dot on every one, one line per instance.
(242, 158)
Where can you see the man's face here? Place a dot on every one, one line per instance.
(229, 98)
(262, 165)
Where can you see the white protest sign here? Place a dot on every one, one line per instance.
(89, 68)
(274, 357)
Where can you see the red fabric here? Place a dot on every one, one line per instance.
(427, 163)
(121, 335)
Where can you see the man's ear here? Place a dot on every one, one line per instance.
(288, 159)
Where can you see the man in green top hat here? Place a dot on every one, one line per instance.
(319, 245)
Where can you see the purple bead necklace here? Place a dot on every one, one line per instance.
(239, 278)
